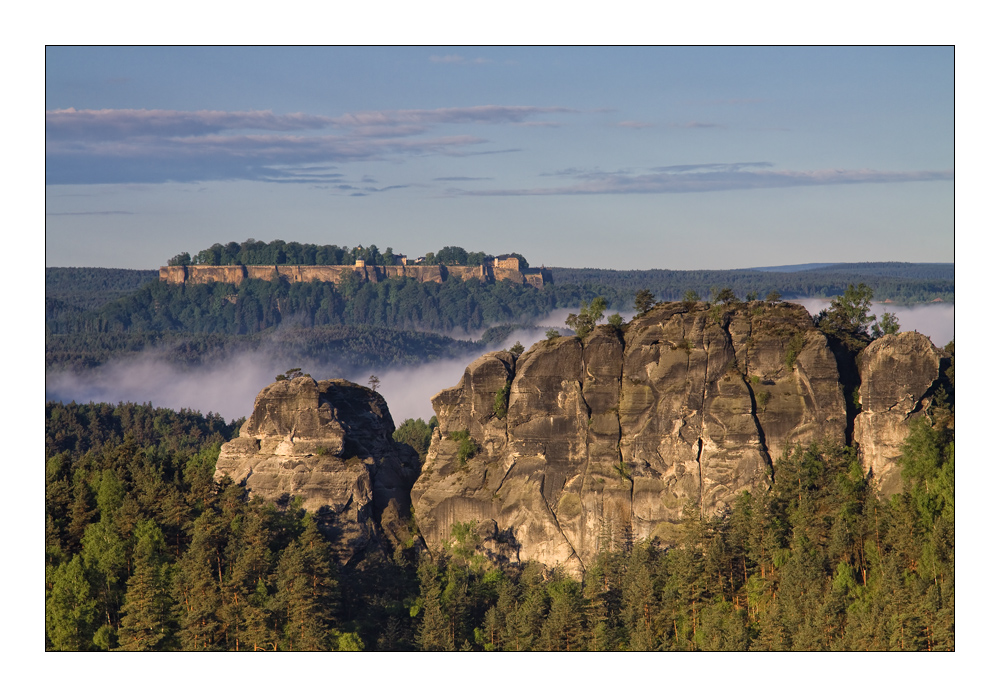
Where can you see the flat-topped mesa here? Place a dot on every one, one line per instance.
(329, 442)
(610, 438)
(177, 275)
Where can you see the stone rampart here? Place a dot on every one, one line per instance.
(336, 274)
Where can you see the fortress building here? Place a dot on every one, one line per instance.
(504, 267)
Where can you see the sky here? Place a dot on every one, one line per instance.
(626, 158)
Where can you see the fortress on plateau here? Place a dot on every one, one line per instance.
(504, 267)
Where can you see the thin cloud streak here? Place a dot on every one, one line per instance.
(115, 146)
(715, 178)
(696, 124)
(94, 213)
(102, 124)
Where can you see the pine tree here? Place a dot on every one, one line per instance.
(197, 587)
(307, 592)
(146, 612)
(71, 610)
(434, 631)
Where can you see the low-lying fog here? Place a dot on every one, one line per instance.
(229, 387)
(936, 320)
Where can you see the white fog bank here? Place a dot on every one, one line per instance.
(229, 387)
(936, 320)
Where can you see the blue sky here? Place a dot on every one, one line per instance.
(678, 158)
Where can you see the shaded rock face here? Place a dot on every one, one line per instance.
(610, 438)
(329, 442)
(899, 375)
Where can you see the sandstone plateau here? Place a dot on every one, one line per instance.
(589, 443)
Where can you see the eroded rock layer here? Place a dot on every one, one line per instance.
(329, 442)
(611, 438)
(899, 374)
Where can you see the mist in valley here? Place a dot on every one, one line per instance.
(229, 386)
(935, 320)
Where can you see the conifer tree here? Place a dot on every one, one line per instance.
(433, 634)
(146, 610)
(71, 610)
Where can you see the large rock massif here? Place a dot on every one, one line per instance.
(612, 437)
(329, 442)
(580, 444)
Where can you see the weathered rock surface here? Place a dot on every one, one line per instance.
(610, 438)
(329, 442)
(899, 374)
(587, 444)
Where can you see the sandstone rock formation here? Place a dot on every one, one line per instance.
(331, 443)
(899, 374)
(610, 438)
(577, 445)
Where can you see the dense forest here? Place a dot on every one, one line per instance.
(255, 253)
(94, 316)
(145, 551)
(902, 283)
(353, 346)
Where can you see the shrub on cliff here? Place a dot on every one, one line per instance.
(584, 323)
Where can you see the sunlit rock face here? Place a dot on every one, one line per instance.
(899, 375)
(329, 442)
(581, 445)
(610, 438)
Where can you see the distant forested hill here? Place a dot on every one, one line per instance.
(900, 282)
(91, 288)
(93, 315)
(354, 346)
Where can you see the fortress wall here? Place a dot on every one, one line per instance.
(325, 274)
(262, 273)
(332, 274)
(215, 274)
(466, 272)
(508, 263)
(502, 273)
(173, 274)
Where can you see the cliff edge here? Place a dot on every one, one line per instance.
(590, 444)
(329, 442)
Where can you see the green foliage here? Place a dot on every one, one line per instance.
(467, 446)
(795, 346)
(889, 324)
(903, 283)
(723, 296)
(584, 323)
(815, 561)
(517, 349)
(763, 398)
(616, 322)
(848, 318)
(773, 297)
(690, 299)
(416, 434)
(644, 301)
(551, 334)
(500, 400)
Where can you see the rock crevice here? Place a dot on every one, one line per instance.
(611, 437)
